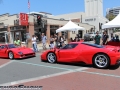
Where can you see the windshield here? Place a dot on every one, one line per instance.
(93, 45)
(11, 46)
(70, 46)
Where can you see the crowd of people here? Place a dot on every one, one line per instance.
(54, 40)
(59, 41)
(101, 40)
(114, 38)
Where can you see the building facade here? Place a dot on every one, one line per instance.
(10, 29)
(93, 15)
(94, 7)
(115, 11)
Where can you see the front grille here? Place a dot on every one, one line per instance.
(30, 54)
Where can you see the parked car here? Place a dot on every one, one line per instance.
(87, 37)
(90, 36)
(84, 52)
(11, 51)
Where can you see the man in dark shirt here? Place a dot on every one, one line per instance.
(97, 38)
(105, 38)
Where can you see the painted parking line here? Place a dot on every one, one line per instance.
(39, 78)
(75, 70)
(6, 64)
(56, 74)
(34, 79)
(102, 74)
(44, 65)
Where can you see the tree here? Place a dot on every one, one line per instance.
(110, 16)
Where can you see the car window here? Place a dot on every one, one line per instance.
(3, 47)
(70, 46)
(11, 46)
(92, 45)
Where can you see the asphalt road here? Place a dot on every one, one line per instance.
(29, 68)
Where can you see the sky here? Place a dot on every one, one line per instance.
(55, 7)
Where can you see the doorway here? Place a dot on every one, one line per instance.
(21, 35)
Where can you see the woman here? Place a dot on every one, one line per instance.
(51, 42)
(61, 41)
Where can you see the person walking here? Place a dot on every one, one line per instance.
(44, 39)
(34, 43)
(17, 42)
(97, 38)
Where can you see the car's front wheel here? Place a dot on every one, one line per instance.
(51, 57)
(101, 61)
(11, 55)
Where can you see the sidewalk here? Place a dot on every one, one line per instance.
(40, 46)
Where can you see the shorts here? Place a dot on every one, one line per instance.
(52, 45)
(44, 44)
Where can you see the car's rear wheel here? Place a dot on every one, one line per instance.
(11, 55)
(51, 57)
(101, 61)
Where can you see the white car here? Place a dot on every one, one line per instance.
(92, 35)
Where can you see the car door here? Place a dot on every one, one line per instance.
(3, 51)
(68, 53)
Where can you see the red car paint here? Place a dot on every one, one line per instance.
(26, 52)
(83, 53)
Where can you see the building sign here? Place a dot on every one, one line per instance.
(91, 19)
(23, 19)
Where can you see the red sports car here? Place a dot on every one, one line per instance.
(77, 52)
(11, 51)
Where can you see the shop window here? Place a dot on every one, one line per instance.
(73, 32)
(3, 38)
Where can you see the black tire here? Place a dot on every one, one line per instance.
(101, 61)
(10, 55)
(51, 57)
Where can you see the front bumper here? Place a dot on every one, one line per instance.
(25, 55)
(118, 62)
(115, 60)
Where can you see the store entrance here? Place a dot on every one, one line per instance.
(80, 34)
(21, 35)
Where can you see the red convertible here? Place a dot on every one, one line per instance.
(11, 51)
(83, 52)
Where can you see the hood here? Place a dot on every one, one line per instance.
(24, 50)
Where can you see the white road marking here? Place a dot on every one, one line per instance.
(6, 64)
(39, 78)
(41, 65)
(101, 74)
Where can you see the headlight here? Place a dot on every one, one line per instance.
(20, 53)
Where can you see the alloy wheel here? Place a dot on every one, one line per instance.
(51, 57)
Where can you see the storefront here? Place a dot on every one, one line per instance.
(3, 35)
(18, 32)
(53, 29)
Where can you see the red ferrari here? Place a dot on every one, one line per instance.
(83, 52)
(11, 51)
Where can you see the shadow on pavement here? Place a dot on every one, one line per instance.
(88, 66)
